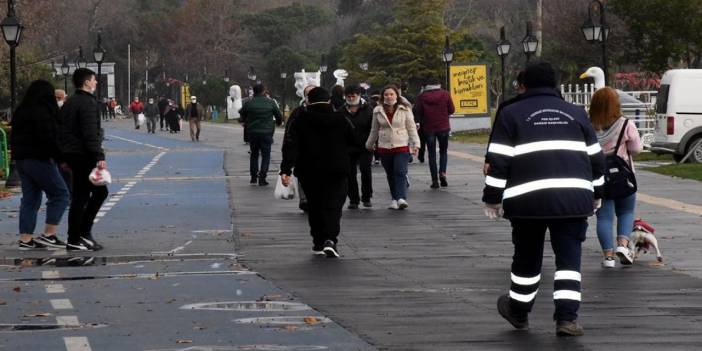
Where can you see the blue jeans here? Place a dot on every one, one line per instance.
(442, 138)
(624, 210)
(260, 144)
(395, 166)
(39, 176)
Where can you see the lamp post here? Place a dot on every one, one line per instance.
(447, 57)
(284, 77)
(65, 70)
(323, 69)
(363, 66)
(597, 32)
(99, 56)
(503, 47)
(146, 85)
(12, 31)
(226, 75)
(529, 44)
(80, 60)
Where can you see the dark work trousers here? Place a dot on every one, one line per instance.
(567, 236)
(325, 200)
(260, 144)
(86, 200)
(162, 118)
(431, 140)
(360, 160)
(422, 145)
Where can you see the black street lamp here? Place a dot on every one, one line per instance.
(99, 56)
(226, 75)
(252, 74)
(363, 66)
(447, 57)
(80, 60)
(284, 77)
(65, 70)
(323, 69)
(597, 32)
(529, 44)
(503, 47)
(12, 31)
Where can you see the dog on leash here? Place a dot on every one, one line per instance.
(642, 239)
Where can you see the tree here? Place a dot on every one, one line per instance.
(662, 32)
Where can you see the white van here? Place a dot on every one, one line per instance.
(679, 114)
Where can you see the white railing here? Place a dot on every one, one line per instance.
(643, 113)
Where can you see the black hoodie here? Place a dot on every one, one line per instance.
(35, 133)
(316, 143)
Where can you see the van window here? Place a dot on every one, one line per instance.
(662, 99)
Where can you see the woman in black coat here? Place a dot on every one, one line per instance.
(36, 151)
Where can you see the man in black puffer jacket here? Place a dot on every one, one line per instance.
(316, 146)
(82, 147)
(360, 114)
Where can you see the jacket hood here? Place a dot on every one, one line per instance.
(320, 114)
(434, 97)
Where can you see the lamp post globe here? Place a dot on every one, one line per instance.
(503, 48)
(363, 66)
(447, 57)
(99, 56)
(597, 32)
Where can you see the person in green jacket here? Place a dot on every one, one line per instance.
(260, 115)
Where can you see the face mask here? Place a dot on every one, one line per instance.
(353, 102)
(390, 102)
(60, 103)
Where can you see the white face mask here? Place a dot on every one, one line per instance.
(60, 103)
(390, 102)
(353, 102)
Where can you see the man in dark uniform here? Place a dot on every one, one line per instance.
(546, 171)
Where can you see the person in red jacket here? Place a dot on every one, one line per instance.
(434, 106)
(136, 107)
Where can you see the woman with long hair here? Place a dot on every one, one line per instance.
(606, 117)
(394, 130)
(36, 150)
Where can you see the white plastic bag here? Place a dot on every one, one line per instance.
(141, 119)
(100, 177)
(285, 192)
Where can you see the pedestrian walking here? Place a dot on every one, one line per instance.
(317, 151)
(65, 171)
(546, 171)
(617, 136)
(35, 148)
(112, 106)
(194, 113)
(151, 111)
(172, 115)
(360, 114)
(136, 107)
(260, 116)
(435, 107)
(60, 96)
(162, 104)
(394, 130)
(337, 97)
(303, 205)
(104, 109)
(81, 137)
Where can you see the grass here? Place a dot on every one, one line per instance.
(471, 137)
(685, 170)
(650, 156)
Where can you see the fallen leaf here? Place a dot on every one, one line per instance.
(3, 303)
(17, 289)
(171, 301)
(311, 320)
(184, 341)
(290, 328)
(45, 314)
(198, 328)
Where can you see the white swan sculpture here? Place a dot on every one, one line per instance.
(597, 74)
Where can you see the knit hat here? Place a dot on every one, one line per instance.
(318, 95)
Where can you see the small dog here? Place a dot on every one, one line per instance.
(642, 239)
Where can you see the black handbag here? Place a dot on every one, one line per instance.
(620, 180)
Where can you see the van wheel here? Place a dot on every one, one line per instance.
(696, 156)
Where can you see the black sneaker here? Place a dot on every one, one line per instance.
(353, 206)
(90, 243)
(443, 181)
(318, 250)
(330, 249)
(30, 245)
(367, 204)
(304, 206)
(506, 313)
(51, 241)
(253, 180)
(434, 184)
(77, 247)
(569, 328)
(262, 182)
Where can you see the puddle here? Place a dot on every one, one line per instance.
(157, 275)
(42, 327)
(250, 347)
(284, 321)
(75, 261)
(244, 306)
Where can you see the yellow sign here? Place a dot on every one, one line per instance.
(184, 95)
(469, 89)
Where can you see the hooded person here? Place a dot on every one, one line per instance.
(316, 149)
(291, 121)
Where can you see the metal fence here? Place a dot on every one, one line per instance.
(643, 113)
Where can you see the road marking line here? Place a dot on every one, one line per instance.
(77, 343)
(67, 320)
(61, 304)
(177, 249)
(645, 198)
(100, 214)
(55, 289)
(49, 275)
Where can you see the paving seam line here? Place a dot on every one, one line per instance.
(645, 198)
(72, 343)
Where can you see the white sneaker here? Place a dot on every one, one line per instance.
(608, 262)
(393, 205)
(626, 257)
(402, 204)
